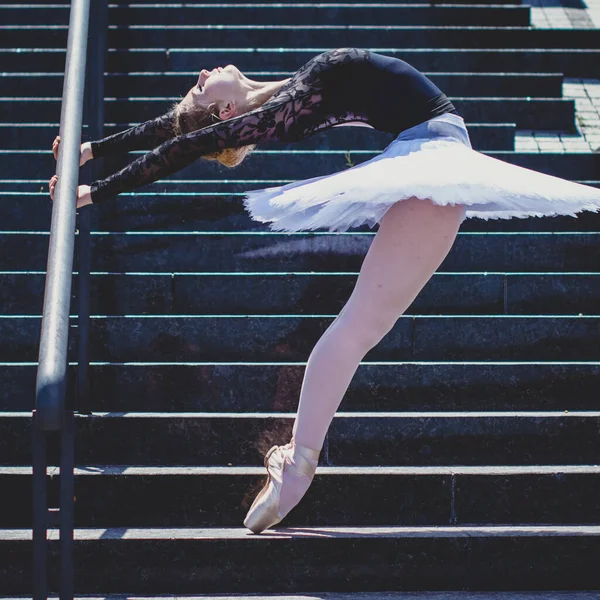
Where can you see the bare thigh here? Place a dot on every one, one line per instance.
(413, 239)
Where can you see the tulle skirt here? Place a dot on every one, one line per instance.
(433, 160)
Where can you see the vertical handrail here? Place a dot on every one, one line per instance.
(40, 514)
(50, 414)
(51, 375)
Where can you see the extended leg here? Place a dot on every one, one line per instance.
(413, 239)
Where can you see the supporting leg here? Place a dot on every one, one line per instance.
(413, 239)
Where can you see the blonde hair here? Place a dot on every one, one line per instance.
(190, 118)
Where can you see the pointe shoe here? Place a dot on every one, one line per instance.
(265, 510)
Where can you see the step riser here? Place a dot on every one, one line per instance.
(572, 63)
(227, 295)
(147, 211)
(419, 36)
(288, 15)
(273, 388)
(264, 339)
(291, 166)
(556, 114)
(468, 85)
(332, 500)
(344, 564)
(363, 37)
(223, 199)
(351, 441)
(302, 253)
(483, 137)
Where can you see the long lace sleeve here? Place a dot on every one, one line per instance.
(144, 136)
(296, 111)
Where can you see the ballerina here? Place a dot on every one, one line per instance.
(418, 190)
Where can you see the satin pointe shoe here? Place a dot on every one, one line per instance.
(291, 458)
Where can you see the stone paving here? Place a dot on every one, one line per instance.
(568, 14)
(586, 93)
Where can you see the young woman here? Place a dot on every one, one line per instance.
(419, 190)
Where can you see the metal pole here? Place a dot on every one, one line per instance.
(50, 385)
(67, 504)
(52, 361)
(40, 513)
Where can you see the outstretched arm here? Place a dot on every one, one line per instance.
(284, 118)
(144, 136)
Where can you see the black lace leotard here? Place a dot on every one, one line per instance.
(345, 85)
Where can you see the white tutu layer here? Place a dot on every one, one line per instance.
(442, 168)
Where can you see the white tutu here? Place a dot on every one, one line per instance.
(433, 160)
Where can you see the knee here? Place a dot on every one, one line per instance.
(379, 326)
(368, 330)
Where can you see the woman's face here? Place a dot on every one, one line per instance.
(221, 85)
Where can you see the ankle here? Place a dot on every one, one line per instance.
(309, 454)
(301, 461)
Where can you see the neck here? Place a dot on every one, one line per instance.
(262, 91)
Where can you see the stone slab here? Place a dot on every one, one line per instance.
(424, 386)
(571, 62)
(542, 85)
(354, 439)
(121, 496)
(325, 559)
(526, 113)
(255, 252)
(261, 14)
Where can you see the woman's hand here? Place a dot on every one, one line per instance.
(84, 196)
(86, 151)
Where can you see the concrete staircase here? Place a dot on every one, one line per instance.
(465, 455)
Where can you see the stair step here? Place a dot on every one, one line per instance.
(291, 338)
(543, 85)
(286, 165)
(281, 165)
(223, 196)
(186, 560)
(123, 496)
(433, 35)
(354, 439)
(202, 208)
(484, 136)
(262, 14)
(327, 253)
(526, 113)
(570, 62)
(267, 387)
(305, 293)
